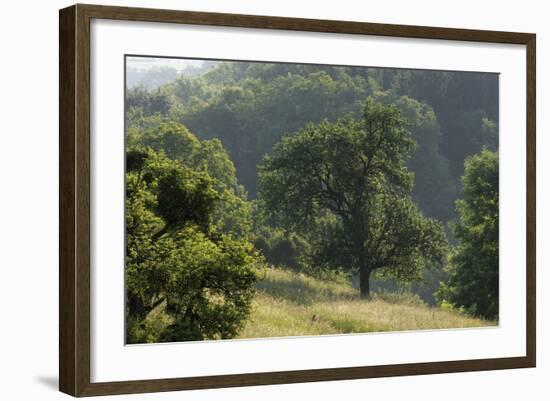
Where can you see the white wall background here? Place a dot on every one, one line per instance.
(29, 185)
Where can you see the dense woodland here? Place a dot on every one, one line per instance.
(386, 179)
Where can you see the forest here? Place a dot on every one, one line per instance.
(279, 199)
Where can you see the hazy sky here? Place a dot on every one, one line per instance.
(146, 63)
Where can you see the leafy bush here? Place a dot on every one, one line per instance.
(282, 248)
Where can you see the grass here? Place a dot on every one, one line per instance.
(292, 304)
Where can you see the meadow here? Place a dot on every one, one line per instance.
(289, 304)
(294, 304)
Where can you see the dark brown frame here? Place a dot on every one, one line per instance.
(74, 199)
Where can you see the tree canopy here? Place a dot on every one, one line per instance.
(356, 170)
(186, 251)
(473, 266)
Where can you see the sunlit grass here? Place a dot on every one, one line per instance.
(290, 304)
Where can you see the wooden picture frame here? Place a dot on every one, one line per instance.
(74, 203)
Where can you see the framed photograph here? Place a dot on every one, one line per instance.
(250, 200)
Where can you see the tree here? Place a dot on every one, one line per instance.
(473, 266)
(232, 214)
(177, 258)
(355, 170)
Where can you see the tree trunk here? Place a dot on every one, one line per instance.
(364, 283)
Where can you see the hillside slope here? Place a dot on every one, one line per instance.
(291, 304)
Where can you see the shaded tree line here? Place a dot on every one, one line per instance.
(250, 106)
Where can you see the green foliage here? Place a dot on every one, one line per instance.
(183, 196)
(432, 277)
(156, 101)
(257, 103)
(232, 213)
(434, 190)
(333, 222)
(462, 101)
(250, 106)
(282, 248)
(473, 265)
(180, 145)
(180, 254)
(355, 170)
(209, 286)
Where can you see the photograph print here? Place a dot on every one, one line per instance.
(268, 199)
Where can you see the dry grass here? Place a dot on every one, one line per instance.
(290, 304)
